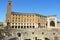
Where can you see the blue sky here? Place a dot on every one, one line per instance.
(44, 7)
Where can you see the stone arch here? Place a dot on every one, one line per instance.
(52, 23)
(47, 38)
(19, 34)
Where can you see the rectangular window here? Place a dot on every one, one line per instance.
(13, 17)
(12, 23)
(12, 20)
(13, 14)
(18, 18)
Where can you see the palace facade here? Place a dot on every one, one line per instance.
(32, 26)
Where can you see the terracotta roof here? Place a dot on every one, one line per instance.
(19, 13)
(52, 15)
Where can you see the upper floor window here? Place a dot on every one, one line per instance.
(15, 23)
(12, 20)
(9, 3)
(12, 23)
(13, 14)
(16, 15)
(13, 17)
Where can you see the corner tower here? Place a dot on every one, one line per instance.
(9, 9)
(52, 21)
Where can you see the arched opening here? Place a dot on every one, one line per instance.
(19, 34)
(47, 39)
(52, 23)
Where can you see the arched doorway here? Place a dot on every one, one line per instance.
(47, 39)
(52, 23)
(19, 34)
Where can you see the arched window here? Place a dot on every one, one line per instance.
(52, 23)
(19, 34)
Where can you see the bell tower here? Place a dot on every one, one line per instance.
(9, 9)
